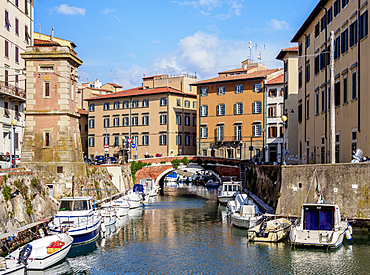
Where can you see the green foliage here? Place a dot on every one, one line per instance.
(43, 192)
(28, 206)
(199, 161)
(34, 182)
(6, 192)
(176, 163)
(185, 161)
(278, 195)
(136, 166)
(163, 162)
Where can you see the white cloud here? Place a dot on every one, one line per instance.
(131, 55)
(130, 78)
(110, 37)
(107, 10)
(232, 6)
(156, 41)
(116, 17)
(70, 10)
(278, 25)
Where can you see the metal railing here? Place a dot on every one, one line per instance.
(11, 89)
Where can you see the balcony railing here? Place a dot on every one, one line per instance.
(13, 90)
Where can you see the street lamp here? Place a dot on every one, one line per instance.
(14, 123)
(284, 119)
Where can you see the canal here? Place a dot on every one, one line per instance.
(174, 235)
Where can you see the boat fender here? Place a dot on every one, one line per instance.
(24, 254)
(348, 234)
(350, 229)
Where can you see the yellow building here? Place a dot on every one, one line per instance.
(159, 119)
(231, 112)
(349, 22)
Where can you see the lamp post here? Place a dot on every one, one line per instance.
(251, 149)
(14, 123)
(283, 119)
(263, 144)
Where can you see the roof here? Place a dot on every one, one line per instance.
(96, 89)
(114, 85)
(62, 42)
(283, 52)
(255, 75)
(83, 112)
(40, 42)
(154, 76)
(140, 91)
(276, 80)
(310, 19)
(238, 70)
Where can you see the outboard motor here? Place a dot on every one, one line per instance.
(24, 254)
(357, 157)
(263, 226)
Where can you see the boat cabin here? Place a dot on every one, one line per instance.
(323, 217)
(75, 204)
(230, 187)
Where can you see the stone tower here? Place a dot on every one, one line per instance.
(52, 142)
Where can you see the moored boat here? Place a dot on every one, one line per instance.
(227, 191)
(76, 216)
(246, 217)
(269, 229)
(133, 199)
(45, 252)
(120, 205)
(108, 215)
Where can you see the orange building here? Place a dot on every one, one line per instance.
(231, 112)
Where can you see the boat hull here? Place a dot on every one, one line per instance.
(82, 235)
(243, 222)
(274, 236)
(19, 269)
(317, 238)
(224, 199)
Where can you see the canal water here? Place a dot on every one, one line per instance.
(194, 236)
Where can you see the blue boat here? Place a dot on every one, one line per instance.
(76, 216)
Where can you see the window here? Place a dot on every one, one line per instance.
(330, 15)
(106, 122)
(135, 140)
(344, 3)
(272, 131)
(285, 66)
(146, 103)
(92, 123)
(92, 107)
(203, 132)
(238, 132)
(91, 141)
(337, 47)
(163, 101)
(26, 7)
(307, 40)
(125, 105)
(317, 64)
(163, 119)
(135, 120)
(106, 106)
(220, 90)
(27, 36)
(187, 120)
(317, 103)
(204, 91)
(336, 7)
(322, 60)
(116, 121)
(345, 90)
(323, 22)
(272, 93)
(47, 89)
(194, 139)
(178, 119)
(125, 121)
(220, 109)
(353, 34)
(187, 140)
(16, 26)
(353, 140)
(178, 139)
(194, 121)
(257, 107)
(7, 22)
(300, 50)
(146, 120)
(317, 29)
(337, 93)
(337, 146)
(16, 3)
(194, 104)
(354, 86)
(146, 140)
(116, 105)
(300, 79)
(187, 104)
(6, 49)
(328, 55)
(178, 102)
(47, 139)
(220, 133)
(363, 25)
(307, 71)
(238, 108)
(257, 130)
(135, 104)
(344, 39)
(271, 110)
(322, 101)
(162, 139)
(307, 108)
(204, 110)
(300, 112)
(239, 88)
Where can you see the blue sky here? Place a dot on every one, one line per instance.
(120, 40)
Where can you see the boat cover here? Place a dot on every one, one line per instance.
(138, 188)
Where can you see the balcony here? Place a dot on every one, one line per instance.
(7, 89)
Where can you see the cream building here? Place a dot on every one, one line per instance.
(159, 117)
(16, 33)
(349, 21)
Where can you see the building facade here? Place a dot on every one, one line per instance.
(15, 35)
(290, 58)
(231, 112)
(349, 22)
(151, 120)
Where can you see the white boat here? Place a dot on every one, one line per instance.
(133, 199)
(76, 216)
(120, 205)
(227, 191)
(269, 229)
(246, 217)
(108, 215)
(45, 252)
(18, 269)
(235, 204)
(150, 188)
(320, 225)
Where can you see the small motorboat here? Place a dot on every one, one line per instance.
(227, 191)
(235, 204)
(247, 216)
(18, 269)
(320, 225)
(78, 217)
(45, 252)
(211, 184)
(133, 199)
(269, 229)
(108, 215)
(18, 266)
(120, 205)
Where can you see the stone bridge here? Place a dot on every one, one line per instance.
(161, 166)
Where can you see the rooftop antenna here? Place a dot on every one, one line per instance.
(52, 34)
(250, 49)
(111, 76)
(39, 29)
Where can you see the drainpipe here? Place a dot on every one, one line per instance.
(198, 107)
(130, 123)
(358, 71)
(168, 124)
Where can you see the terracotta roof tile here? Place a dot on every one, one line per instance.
(83, 112)
(284, 51)
(257, 74)
(276, 80)
(39, 42)
(154, 76)
(115, 85)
